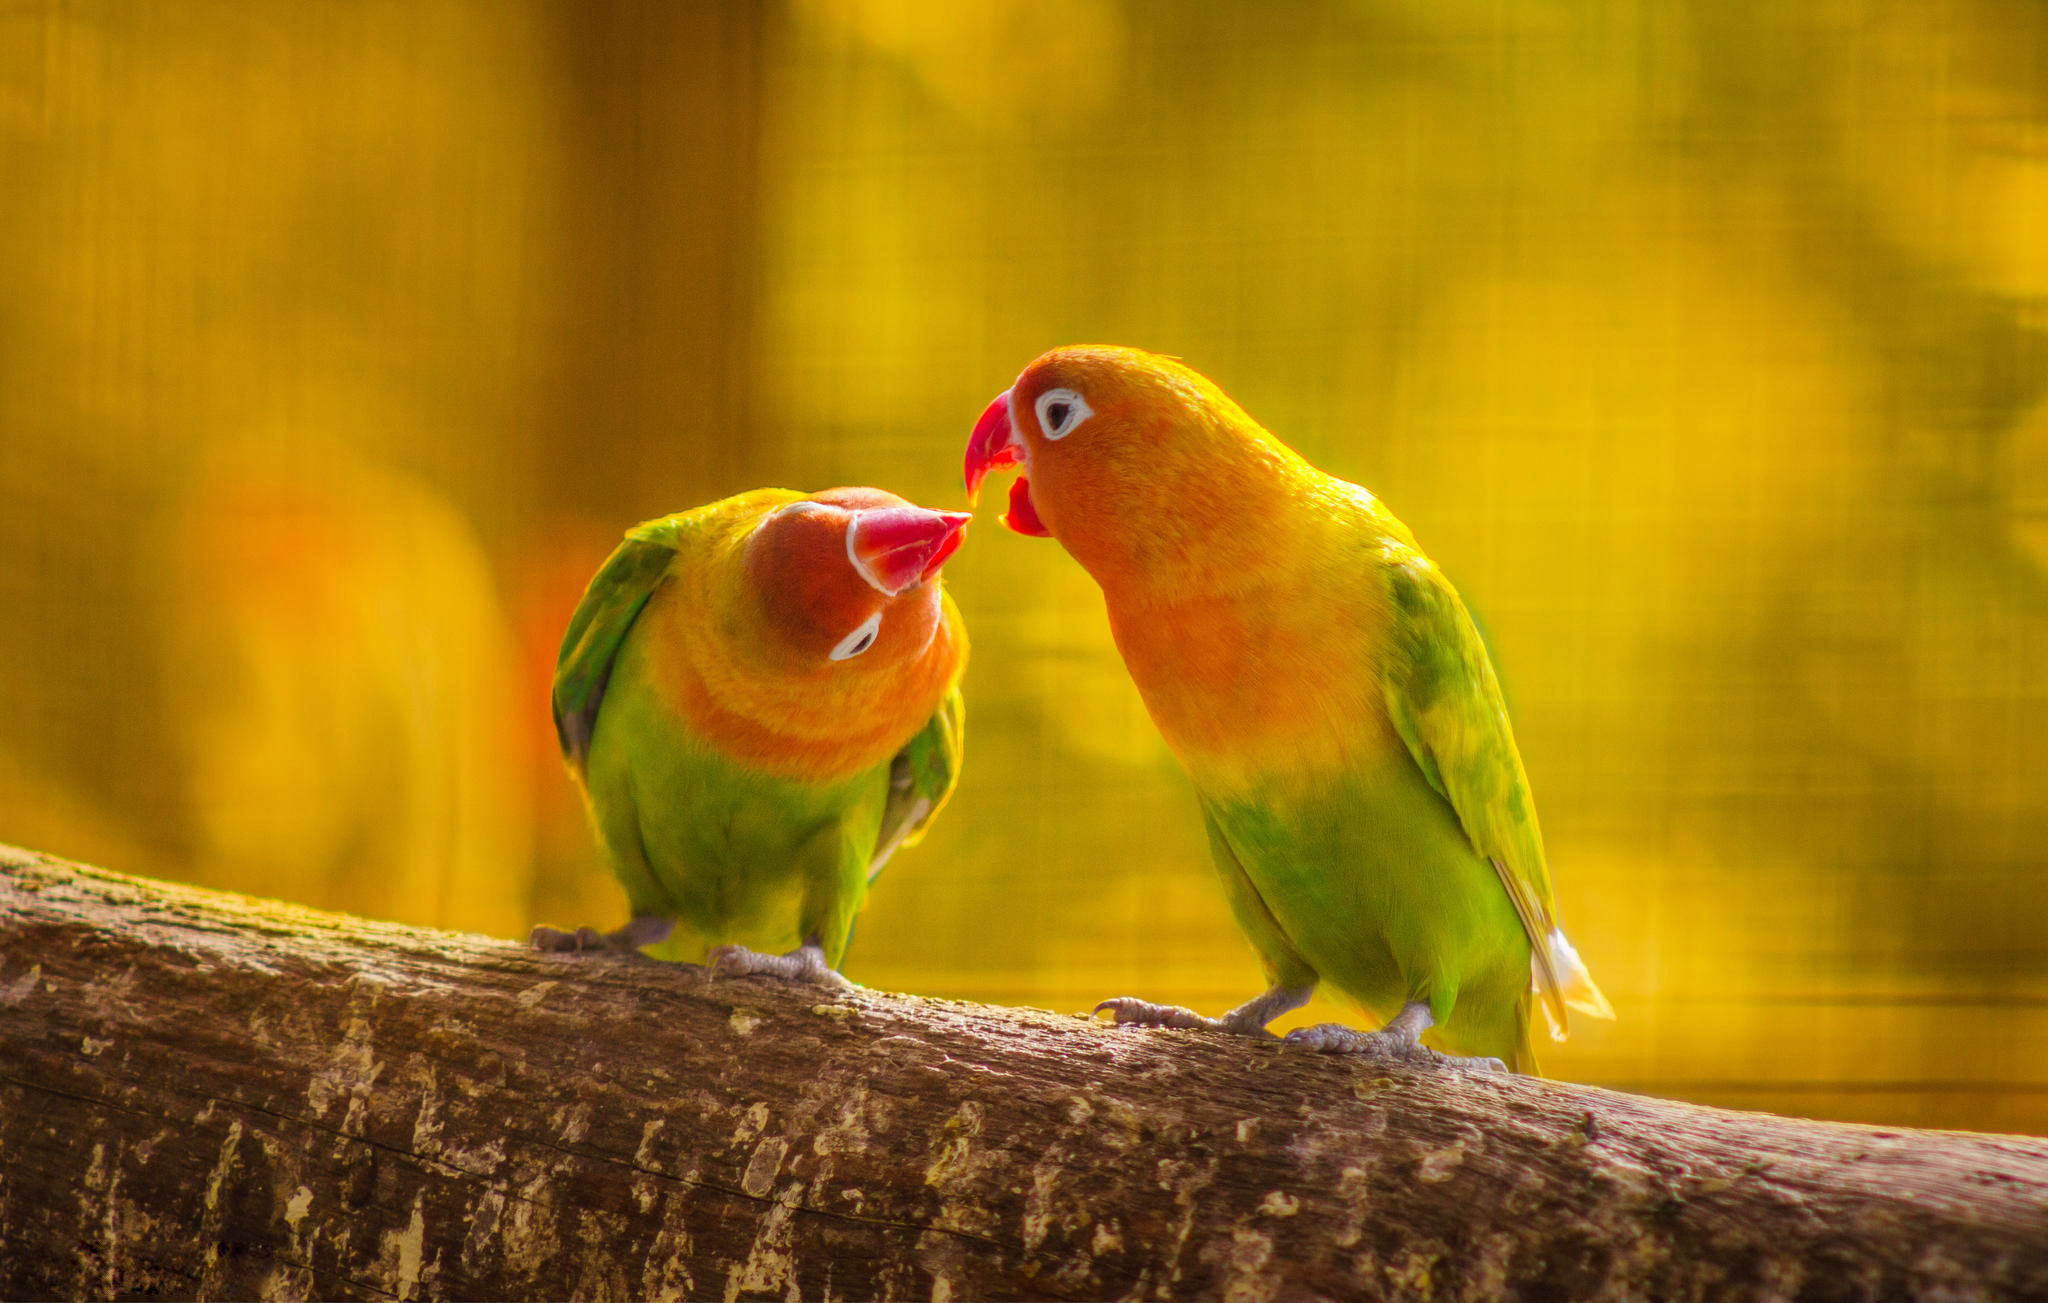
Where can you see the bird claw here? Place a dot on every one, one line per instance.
(803, 965)
(1247, 1020)
(1335, 1038)
(553, 940)
(738, 961)
(642, 930)
(1129, 1011)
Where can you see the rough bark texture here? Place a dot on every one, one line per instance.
(202, 1095)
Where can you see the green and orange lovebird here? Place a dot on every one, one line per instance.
(760, 700)
(1324, 687)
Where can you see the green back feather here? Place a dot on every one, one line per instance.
(590, 646)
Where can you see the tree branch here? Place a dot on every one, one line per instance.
(205, 1095)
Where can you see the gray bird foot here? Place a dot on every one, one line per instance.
(1129, 1011)
(1333, 1038)
(804, 964)
(643, 931)
(1397, 1040)
(1248, 1019)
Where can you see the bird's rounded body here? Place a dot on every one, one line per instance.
(735, 855)
(1339, 860)
(743, 792)
(1323, 686)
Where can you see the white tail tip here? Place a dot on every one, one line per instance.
(1575, 984)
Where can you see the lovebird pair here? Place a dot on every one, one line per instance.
(761, 701)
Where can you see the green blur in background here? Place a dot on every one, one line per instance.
(1699, 342)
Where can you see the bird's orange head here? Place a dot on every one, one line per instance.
(849, 573)
(1125, 456)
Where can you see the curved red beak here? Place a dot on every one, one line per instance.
(995, 443)
(897, 548)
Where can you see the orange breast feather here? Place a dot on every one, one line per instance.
(823, 725)
(1262, 682)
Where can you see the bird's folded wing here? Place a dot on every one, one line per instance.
(1444, 700)
(921, 777)
(591, 645)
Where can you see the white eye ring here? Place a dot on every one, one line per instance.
(1060, 424)
(853, 644)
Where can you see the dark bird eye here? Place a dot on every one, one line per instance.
(1061, 411)
(853, 644)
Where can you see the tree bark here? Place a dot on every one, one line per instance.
(211, 1096)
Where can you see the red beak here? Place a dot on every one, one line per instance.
(897, 548)
(995, 443)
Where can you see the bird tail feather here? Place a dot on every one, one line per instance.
(1574, 984)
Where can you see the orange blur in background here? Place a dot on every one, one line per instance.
(1700, 343)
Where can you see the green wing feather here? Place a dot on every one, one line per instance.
(591, 645)
(923, 774)
(921, 777)
(1445, 701)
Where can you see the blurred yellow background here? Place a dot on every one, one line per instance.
(1700, 342)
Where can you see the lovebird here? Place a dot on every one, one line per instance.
(760, 700)
(1322, 684)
